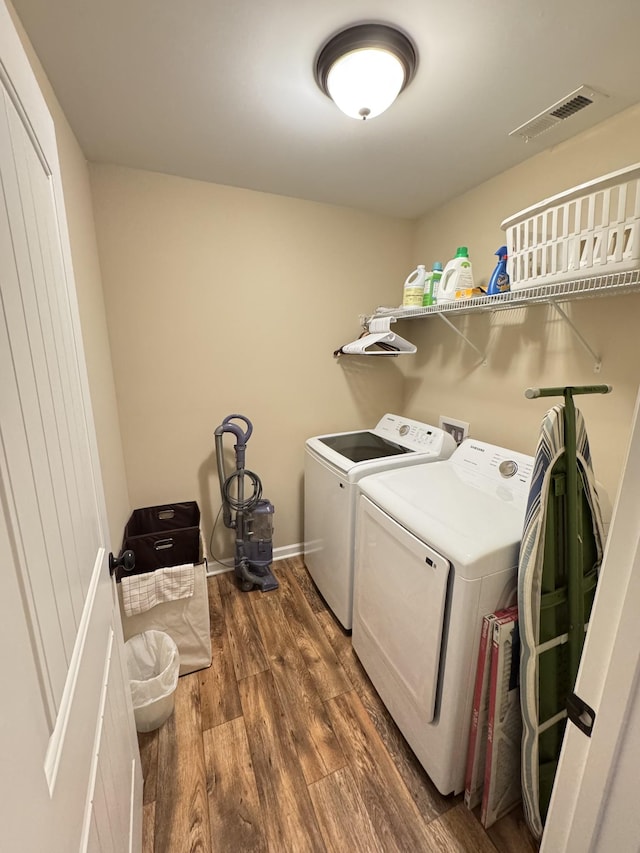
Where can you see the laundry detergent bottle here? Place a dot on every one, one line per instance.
(499, 281)
(431, 285)
(414, 288)
(457, 278)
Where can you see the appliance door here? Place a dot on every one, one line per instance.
(399, 603)
(329, 517)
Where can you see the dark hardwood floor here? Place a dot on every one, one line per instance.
(283, 745)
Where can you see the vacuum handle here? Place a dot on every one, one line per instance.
(243, 437)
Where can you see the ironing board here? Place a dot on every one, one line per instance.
(560, 557)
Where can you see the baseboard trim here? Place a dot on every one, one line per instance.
(284, 552)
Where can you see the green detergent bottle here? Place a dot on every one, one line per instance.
(431, 285)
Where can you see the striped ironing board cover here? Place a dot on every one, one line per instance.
(551, 446)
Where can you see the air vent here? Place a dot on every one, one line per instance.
(558, 112)
(573, 106)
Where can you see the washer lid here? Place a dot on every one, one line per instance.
(393, 436)
(469, 512)
(362, 446)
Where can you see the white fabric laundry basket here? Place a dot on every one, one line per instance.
(185, 619)
(167, 588)
(152, 664)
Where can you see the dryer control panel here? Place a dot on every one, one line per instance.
(414, 435)
(494, 464)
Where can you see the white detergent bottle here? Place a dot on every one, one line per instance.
(457, 278)
(414, 288)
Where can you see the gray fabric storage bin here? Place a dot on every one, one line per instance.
(164, 535)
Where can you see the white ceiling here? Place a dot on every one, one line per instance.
(223, 90)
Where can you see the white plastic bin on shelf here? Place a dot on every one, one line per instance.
(152, 664)
(590, 230)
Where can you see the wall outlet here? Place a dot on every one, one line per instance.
(458, 429)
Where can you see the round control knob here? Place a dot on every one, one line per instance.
(508, 468)
(404, 429)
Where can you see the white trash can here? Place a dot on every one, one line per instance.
(153, 664)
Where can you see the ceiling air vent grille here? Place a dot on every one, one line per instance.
(573, 106)
(558, 112)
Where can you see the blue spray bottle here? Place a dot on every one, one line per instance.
(499, 281)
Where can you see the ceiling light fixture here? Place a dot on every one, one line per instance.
(364, 68)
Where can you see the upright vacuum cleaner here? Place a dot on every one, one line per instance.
(251, 517)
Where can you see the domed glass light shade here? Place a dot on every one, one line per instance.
(364, 69)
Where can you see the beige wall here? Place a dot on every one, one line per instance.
(223, 300)
(528, 347)
(77, 194)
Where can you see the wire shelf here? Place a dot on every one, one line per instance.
(605, 285)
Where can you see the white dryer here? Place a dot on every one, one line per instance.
(437, 549)
(334, 465)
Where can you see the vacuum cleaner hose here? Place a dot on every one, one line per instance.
(248, 503)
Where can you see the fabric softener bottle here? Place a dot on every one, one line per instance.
(457, 278)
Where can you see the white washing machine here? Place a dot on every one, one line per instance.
(334, 465)
(437, 549)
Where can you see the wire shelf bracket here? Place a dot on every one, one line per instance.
(482, 355)
(598, 361)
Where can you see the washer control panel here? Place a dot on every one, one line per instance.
(414, 435)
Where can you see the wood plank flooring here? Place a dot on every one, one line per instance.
(283, 746)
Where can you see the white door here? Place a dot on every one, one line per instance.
(594, 805)
(69, 767)
(399, 602)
